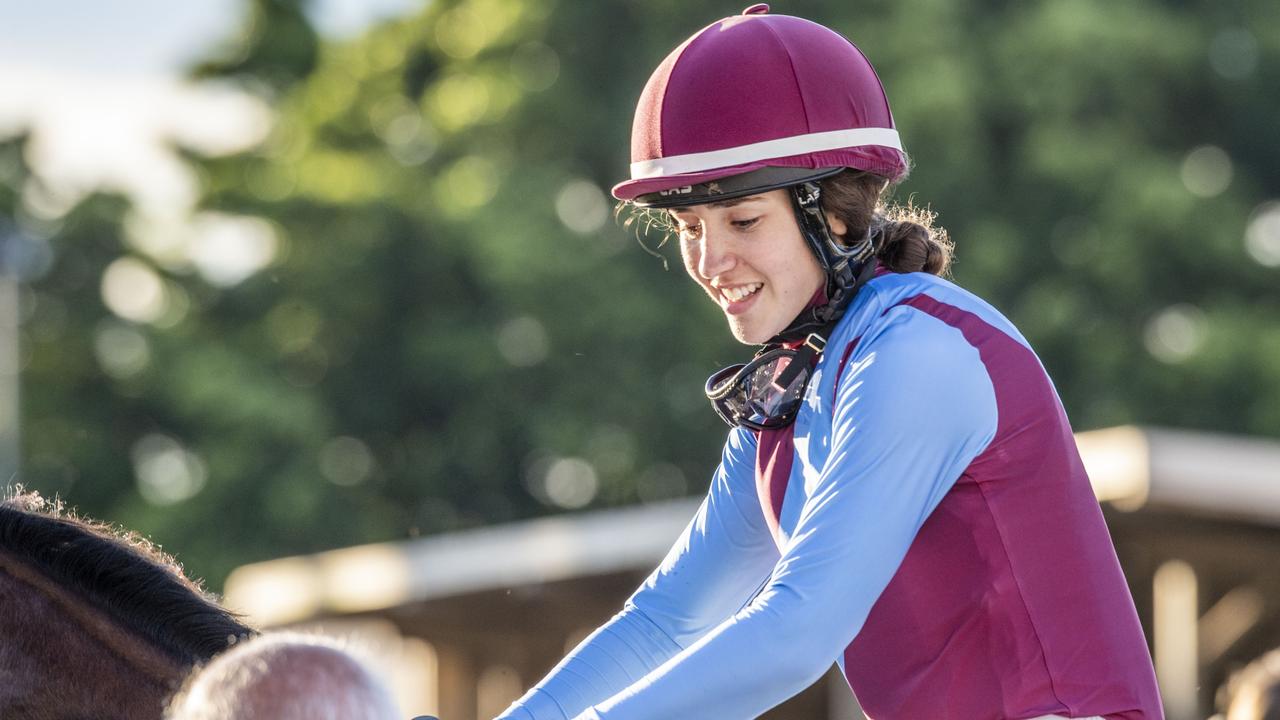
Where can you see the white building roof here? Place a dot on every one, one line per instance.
(1130, 467)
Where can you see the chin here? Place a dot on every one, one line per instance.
(748, 335)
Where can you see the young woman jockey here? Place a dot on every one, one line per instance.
(901, 492)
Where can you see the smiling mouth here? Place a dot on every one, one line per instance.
(741, 292)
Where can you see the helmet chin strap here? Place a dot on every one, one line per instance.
(846, 267)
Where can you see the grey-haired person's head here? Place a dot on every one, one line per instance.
(285, 676)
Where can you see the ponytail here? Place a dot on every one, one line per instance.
(904, 236)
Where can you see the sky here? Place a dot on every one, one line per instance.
(99, 85)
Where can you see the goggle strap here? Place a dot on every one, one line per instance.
(812, 347)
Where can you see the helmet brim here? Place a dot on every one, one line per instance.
(675, 190)
(715, 185)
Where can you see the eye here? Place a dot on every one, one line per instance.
(745, 224)
(689, 230)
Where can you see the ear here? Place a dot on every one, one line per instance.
(838, 226)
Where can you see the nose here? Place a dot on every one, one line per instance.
(715, 256)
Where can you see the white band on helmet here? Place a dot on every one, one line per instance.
(767, 150)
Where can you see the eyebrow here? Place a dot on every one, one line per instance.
(721, 203)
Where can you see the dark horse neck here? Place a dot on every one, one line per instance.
(62, 658)
(94, 623)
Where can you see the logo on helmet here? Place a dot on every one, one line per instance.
(684, 190)
(808, 194)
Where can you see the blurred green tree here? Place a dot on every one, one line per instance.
(454, 330)
(275, 49)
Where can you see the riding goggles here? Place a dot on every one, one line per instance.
(767, 392)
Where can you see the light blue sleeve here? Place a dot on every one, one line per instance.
(914, 407)
(723, 557)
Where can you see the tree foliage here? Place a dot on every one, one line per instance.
(456, 331)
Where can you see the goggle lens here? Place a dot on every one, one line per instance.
(749, 395)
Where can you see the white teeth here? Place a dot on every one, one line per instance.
(737, 294)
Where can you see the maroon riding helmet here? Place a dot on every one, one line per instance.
(755, 102)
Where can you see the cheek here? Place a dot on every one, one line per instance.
(689, 254)
(797, 276)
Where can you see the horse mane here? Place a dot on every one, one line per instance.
(120, 573)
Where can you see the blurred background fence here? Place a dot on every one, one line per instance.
(367, 284)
